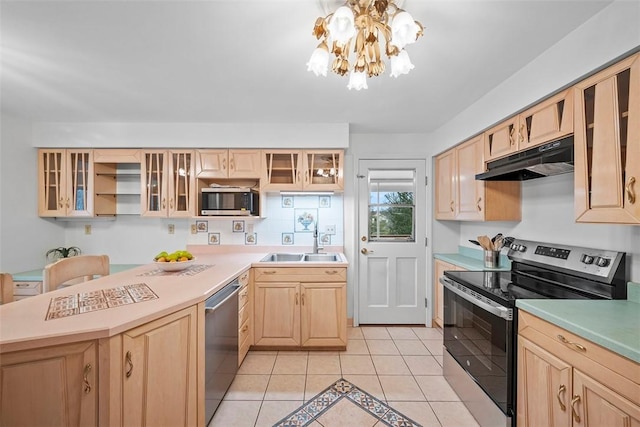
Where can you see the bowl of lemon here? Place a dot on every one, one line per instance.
(175, 261)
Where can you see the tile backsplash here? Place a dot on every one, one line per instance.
(290, 220)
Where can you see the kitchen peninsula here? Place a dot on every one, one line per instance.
(113, 362)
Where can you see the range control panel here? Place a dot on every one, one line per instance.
(594, 262)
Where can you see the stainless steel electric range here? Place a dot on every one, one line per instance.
(480, 318)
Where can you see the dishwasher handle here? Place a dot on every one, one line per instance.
(220, 297)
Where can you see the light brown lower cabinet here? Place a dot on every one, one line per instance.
(50, 386)
(565, 380)
(152, 373)
(300, 307)
(245, 319)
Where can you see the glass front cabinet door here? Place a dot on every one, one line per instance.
(168, 184)
(65, 183)
(323, 170)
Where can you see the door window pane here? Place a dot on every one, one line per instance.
(392, 205)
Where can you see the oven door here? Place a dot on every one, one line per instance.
(478, 334)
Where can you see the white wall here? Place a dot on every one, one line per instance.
(136, 240)
(24, 238)
(547, 203)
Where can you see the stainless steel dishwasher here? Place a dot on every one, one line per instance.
(221, 345)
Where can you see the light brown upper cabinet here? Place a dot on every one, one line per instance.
(228, 163)
(459, 196)
(65, 183)
(546, 121)
(297, 170)
(323, 170)
(607, 145)
(168, 184)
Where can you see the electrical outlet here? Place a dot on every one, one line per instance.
(194, 230)
(87, 229)
(330, 229)
(250, 228)
(172, 228)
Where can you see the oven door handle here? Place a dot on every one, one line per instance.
(502, 312)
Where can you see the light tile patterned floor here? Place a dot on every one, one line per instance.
(398, 370)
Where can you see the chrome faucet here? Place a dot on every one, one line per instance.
(316, 248)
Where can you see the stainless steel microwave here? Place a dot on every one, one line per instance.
(229, 201)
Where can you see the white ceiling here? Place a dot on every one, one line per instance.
(243, 61)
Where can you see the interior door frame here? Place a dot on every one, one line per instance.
(352, 247)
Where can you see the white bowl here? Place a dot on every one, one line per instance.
(174, 266)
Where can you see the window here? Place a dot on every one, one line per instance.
(391, 205)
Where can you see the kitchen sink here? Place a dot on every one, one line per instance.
(287, 257)
(321, 257)
(278, 257)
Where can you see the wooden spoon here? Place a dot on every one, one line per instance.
(485, 242)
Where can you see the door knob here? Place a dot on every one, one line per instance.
(365, 251)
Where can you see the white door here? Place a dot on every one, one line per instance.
(392, 242)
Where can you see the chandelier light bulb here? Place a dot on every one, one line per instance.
(320, 172)
(359, 33)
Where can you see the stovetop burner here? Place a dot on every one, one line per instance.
(542, 271)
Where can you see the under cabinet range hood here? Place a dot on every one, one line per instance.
(554, 158)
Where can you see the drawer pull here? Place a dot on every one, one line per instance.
(269, 272)
(574, 411)
(129, 364)
(561, 390)
(245, 328)
(85, 378)
(571, 343)
(334, 271)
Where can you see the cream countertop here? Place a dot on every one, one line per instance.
(22, 323)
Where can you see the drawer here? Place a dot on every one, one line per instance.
(27, 288)
(243, 297)
(300, 274)
(244, 278)
(244, 331)
(243, 315)
(242, 351)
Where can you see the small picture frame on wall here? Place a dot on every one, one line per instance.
(287, 238)
(214, 238)
(324, 201)
(324, 239)
(287, 201)
(202, 226)
(237, 226)
(250, 238)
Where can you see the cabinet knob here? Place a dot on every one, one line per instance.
(631, 195)
(129, 364)
(561, 390)
(574, 411)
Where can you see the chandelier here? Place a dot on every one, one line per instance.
(364, 24)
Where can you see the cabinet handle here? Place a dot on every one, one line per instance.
(302, 299)
(512, 139)
(574, 411)
(129, 363)
(85, 379)
(451, 206)
(61, 202)
(68, 203)
(171, 203)
(269, 272)
(224, 164)
(232, 164)
(243, 277)
(333, 271)
(296, 298)
(631, 195)
(571, 343)
(520, 133)
(561, 390)
(479, 207)
(244, 329)
(164, 203)
(306, 177)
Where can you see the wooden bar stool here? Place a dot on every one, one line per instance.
(74, 270)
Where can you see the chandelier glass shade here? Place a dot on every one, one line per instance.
(360, 27)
